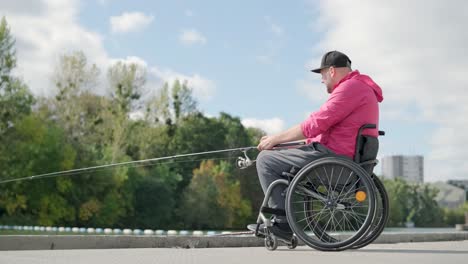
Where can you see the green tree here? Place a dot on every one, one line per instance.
(182, 100)
(428, 213)
(155, 198)
(74, 107)
(98, 128)
(170, 105)
(398, 193)
(413, 202)
(453, 216)
(15, 98)
(235, 136)
(236, 209)
(158, 108)
(38, 147)
(73, 75)
(126, 82)
(213, 199)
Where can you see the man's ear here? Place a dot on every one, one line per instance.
(332, 71)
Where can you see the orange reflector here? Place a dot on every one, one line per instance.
(361, 196)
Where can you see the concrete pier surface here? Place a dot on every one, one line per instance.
(414, 253)
(43, 242)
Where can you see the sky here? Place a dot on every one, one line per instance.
(252, 59)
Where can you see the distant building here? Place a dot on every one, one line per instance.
(449, 196)
(461, 184)
(409, 168)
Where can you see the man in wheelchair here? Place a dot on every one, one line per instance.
(331, 130)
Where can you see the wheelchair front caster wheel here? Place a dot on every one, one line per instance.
(271, 243)
(293, 243)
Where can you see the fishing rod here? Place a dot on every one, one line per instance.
(241, 162)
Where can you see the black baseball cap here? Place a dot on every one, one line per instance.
(333, 58)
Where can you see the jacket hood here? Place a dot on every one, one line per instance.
(367, 80)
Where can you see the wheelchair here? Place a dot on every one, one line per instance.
(333, 203)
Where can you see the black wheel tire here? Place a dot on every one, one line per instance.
(271, 242)
(377, 228)
(294, 242)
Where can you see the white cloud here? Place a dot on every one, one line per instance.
(130, 22)
(270, 126)
(45, 34)
(25, 7)
(416, 51)
(202, 88)
(52, 30)
(131, 60)
(191, 37)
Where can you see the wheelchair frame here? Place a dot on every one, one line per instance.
(372, 226)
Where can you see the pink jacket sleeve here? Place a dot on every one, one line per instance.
(343, 100)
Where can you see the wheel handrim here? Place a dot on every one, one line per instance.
(333, 218)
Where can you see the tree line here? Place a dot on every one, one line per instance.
(78, 128)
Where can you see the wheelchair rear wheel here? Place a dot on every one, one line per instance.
(330, 203)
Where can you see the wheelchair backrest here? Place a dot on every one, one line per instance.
(367, 151)
(367, 148)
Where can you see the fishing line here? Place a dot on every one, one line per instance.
(130, 164)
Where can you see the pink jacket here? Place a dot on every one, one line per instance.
(353, 103)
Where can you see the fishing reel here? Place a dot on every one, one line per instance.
(244, 162)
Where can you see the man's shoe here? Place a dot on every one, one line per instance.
(280, 230)
(253, 227)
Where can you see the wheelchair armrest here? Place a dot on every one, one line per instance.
(369, 162)
(368, 126)
(290, 144)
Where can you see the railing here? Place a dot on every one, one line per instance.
(111, 231)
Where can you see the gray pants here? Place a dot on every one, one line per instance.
(272, 163)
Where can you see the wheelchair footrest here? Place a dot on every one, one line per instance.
(274, 211)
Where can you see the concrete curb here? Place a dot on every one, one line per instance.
(44, 242)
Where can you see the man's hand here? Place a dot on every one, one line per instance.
(267, 142)
(292, 134)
